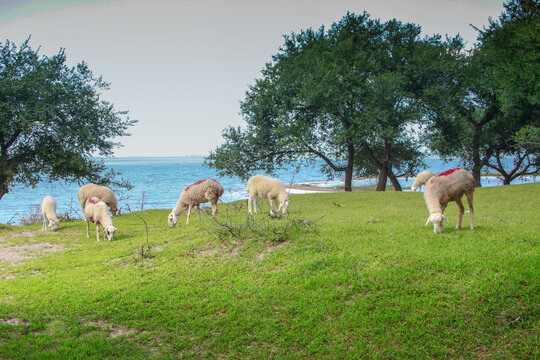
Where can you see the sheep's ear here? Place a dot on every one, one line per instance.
(428, 220)
(444, 218)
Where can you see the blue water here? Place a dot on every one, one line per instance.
(157, 183)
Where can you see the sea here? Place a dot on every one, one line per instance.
(158, 181)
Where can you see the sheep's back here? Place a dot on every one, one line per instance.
(201, 192)
(102, 192)
(452, 183)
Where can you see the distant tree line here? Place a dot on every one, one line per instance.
(370, 98)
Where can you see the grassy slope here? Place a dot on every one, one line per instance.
(367, 281)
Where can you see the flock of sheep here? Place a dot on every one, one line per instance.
(99, 202)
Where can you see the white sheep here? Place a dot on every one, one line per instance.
(208, 190)
(48, 209)
(104, 193)
(260, 187)
(445, 187)
(96, 211)
(421, 179)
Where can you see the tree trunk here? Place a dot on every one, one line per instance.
(395, 181)
(477, 162)
(349, 168)
(3, 187)
(383, 177)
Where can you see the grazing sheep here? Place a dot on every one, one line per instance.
(48, 209)
(421, 179)
(260, 186)
(96, 211)
(104, 193)
(208, 190)
(445, 187)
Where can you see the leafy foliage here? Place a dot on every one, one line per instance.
(347, 95)
(491, 93)
(53, 119)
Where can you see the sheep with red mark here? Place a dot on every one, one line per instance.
(260, 187)
(421, 179)
(203, 191)
(104, 193)
(445, 187)
(96, 211)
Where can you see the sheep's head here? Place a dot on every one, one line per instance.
(436, 219)
(173, 219)
(109, 232)
(53, 224)
(284, 205)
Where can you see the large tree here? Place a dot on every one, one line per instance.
(345, 97)
(491, 93)
(52, 119)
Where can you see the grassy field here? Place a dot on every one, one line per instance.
(346, 276)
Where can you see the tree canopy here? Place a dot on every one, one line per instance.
(491, 93)
(346, 96)
(53, 121)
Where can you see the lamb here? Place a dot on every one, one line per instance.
(445, 187)
(260, 186)
(48, 209)
(421, 179)
(102, 192)
(207, 190)
(96, 211)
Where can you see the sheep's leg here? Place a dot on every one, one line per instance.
(97, 233)
(461, 211)
(87, 231)
(271, 202)
(188, 213)
(44, 227)
(249, 204)
(255, 204)
(213, 204)
(471, 209)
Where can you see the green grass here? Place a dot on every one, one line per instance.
(367, 280)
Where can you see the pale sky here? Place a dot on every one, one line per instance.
(182, 67)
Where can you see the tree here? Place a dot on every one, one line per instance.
(52, 119)
(345, 97)
(491, 93)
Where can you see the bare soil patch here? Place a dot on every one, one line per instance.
(13, 322)
(17, 253)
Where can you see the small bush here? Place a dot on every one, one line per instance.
(237, 225)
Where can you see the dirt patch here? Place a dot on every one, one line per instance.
(15, 254)
(114, 330)
(28, 233)
(272, 248)
(13, 322)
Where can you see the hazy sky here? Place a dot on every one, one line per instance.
(182, 67)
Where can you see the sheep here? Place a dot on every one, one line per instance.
(48, 209)
(421, 179)
(102, 192)
(207, 190)
(96, 211)
(260, 186)
(445, 187)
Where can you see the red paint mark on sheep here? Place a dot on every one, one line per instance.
(445, 173)
(93, 200)
(443, 198)
(197, 183)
